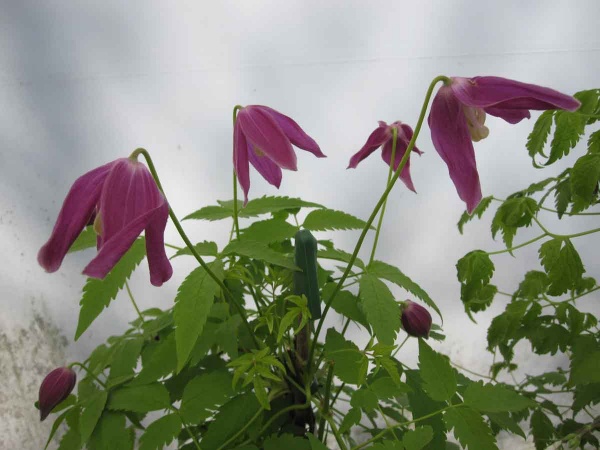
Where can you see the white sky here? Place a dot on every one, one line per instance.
(83, 83)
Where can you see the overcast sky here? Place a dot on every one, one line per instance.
(83, 83)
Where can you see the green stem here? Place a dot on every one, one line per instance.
(242, 430)
(326, 402)
(336, 434)
(379, 204)
(235, 203)
(470, 371)
(134, 303)
(403, 424)
(400, 346)
(189, 432)
(392, 161)
(174, 247)
(524, 244)
(89, 372)
(188, 243)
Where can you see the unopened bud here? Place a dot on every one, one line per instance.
(55, 388)
(416, 320)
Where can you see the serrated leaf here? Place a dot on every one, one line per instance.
(418, 438)
(210, 213)
(329, 219)
(386, 388)
(124, 361)
(533, 285)
(205, 248)
(474, 271)
(97, 294)
(161, 432)
(203, 394)
(339, 255)
(542, 430)
(315, 444)
(86, 239)
(350, 364)
(267, 231)
(111, 433)
(193, 302)
(92, 410)
(287, 442)
(57, 423)
(562, 197)
(149, 397)
(594, 142)
(351, 418)
(382, 311)
(421, 405)
(162, 362)
(536, 141)
(470, 429)
(477, 212)
(514, 213)
(586, 370)
(439, 380)
(260, 251)
(494, 398)
(585, 175)
(71, 439)
(569, 129)
(365, 399)
(388, 445)
(396, 276)
(345, 303)
(562, 264)
(230, 418)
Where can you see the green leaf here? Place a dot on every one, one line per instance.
(345, 303)
(505, 422)
(421, 405)
(439, 379)
(230, 418)
(203, 394)
(267, 231)
(393, 274)
(329, 219)
(386, 388)
(542, 430)
(365, 399)
(205, 248)
(86, 239)
(97, 294)
(477, 212)
(287, 442)
(474, 271)
(418, 438)
(315, 444)
(260, 251)
(514, 213)
(569, 129)
(161, 432)
(586, 370)
(594, 142)
(194, 299)
(339, 255)
(382, 311)
(92, 410)
(585, 175)
(162, 362)
(57, 423)
(538, 137)
(388, 445)
(351, 418)
(111, 433)
(535, 284)
(210, 213)
(562, 196)
(494, 398)
(562, 264)
(150, 397)
(470, 429)
(350, 364)
(124, 361)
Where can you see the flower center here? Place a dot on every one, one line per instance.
(475, 122)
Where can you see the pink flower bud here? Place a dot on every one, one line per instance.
(416, 320)
(56, 387)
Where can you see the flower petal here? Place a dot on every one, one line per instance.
(240, 159)
(267, 168)
(76, 211)
(294, 133)
(261, 129)
(386, 154)
(483, 92)
(451, 139)
(374, 141)
(408, 133)
(160, 267)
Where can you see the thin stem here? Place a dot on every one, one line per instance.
(89, 372)
(235, 203)
(392, 161)
(133, 302)
(336, 433)
(196, 443)
(242, 430)
(174, 247)
(189, 244)
(379, 204)
(470, 371)
(524, 244)
(400, 346)
(326, 402)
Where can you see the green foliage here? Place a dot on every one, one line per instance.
(124, 360)
(86, 239)
(204, 393)
(97, 294)
(542, 429)
(93, 406)
(111, 433)
(514, 213)
(418, 438)
(329, 219)
(470, 429)
(494, 398)
(562, 264)
(204, 248)
(539, 136)
(267, 231)
(438, 376)
(161, 432)
(477, 212)
(382, 311)
(149, 397)
(474, 271)
(584, 181)
(260, 251)
(350, 364)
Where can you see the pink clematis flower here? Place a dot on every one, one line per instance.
(263, 137)
(458, 115)
(121, 199)
(383, 135)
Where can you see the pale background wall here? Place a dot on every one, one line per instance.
(83, 83)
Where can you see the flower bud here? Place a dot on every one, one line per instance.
(416, 320)
(56, 387)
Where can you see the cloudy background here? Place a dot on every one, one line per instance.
(83, 83)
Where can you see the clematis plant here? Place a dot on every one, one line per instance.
(240, 358)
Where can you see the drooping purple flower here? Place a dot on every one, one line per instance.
(121, 199)
(458, 114)
(416, 320)
(263, 137)
(55, 388)
(383, 136)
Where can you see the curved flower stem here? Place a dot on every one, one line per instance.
(134, 303)
(89, 372)
(390, 172)
(236, 224)
(379, 204)
(188, 243)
